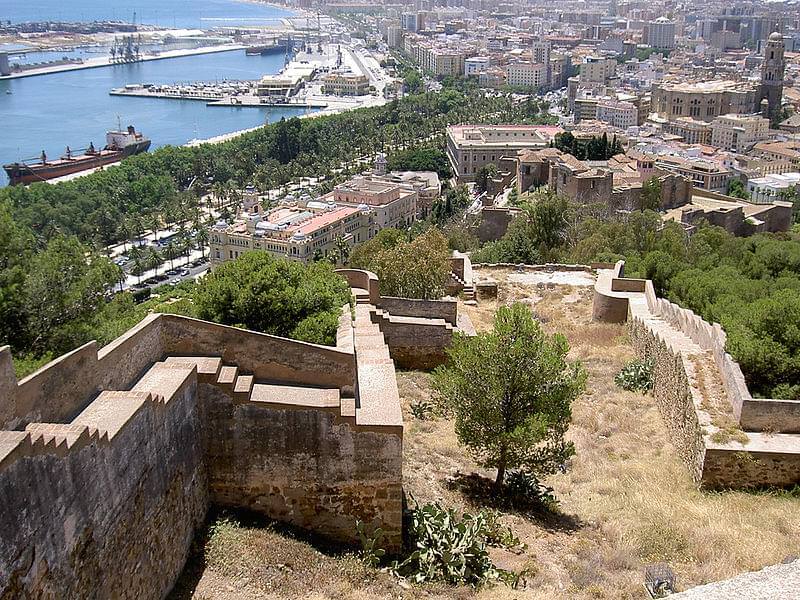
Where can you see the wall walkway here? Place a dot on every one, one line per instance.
(726, 438)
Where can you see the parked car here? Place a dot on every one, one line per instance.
(185, 272)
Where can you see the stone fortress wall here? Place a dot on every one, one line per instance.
(110, 458)
(417, 332)
(696, 381)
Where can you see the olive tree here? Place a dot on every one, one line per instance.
(511, 391)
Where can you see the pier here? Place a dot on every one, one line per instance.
(94, 63)
(229, 94)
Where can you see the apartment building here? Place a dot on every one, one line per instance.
(394, 36)
(526, 74)
(476, 65)
(470, 147)
(690, 130)
(768, 189)
(437, 58)
(788, 151)
(703, 174)
(660, 34)
(617, 114)
(596, 69)
(738, 133)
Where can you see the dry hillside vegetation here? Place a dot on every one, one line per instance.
(626, 500)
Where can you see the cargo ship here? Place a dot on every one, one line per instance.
(119, 144)
(276, 47)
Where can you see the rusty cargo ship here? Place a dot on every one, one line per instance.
(119, 144)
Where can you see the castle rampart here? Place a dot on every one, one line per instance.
(692, 371)
(111, 458)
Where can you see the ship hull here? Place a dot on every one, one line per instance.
(21, 174)
(265, 50)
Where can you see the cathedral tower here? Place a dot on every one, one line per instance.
(772, 71)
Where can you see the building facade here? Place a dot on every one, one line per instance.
(617, 114)
(345, 84)
(470, 147)
(660, 34)
(527, 74)
(738, 133)
(307, 229)
(703, 101)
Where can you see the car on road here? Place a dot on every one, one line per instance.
(185, 272)
(172, 272)
(175, 280)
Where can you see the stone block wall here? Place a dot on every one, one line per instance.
(57, 392)
(447, 310)
(689, 355)
(307, 467)
(673, 395)
(106, 513)
(415, 343)
(102, 498)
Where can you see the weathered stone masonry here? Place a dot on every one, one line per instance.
(109, 460)
(692, 372)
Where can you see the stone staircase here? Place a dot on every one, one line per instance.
(243, 388)
(380, 316)
(468, 291)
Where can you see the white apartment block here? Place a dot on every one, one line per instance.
(617, 114)
(738, 132)
(526, 74)
(394, 36)
(660, 34)
(765, 190)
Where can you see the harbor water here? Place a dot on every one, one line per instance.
(191, 14)
(74, 108)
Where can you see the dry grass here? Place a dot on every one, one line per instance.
(626, 499)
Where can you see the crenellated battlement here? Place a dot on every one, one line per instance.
(114, 455)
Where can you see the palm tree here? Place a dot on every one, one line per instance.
(138, 268)
(171, 253)
(153, 259)
(125, 230)
(154, 221)
(202, 239)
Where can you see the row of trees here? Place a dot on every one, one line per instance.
(594, 148)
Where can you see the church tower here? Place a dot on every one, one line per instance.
(772, 71)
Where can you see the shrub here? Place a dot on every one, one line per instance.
(422, 410)
(636, 376)
(452, 549)
(525, 490)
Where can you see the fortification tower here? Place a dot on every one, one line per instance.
(772, 71)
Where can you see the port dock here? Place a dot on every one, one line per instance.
(229, 93)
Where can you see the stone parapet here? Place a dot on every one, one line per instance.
(690, 358)
(115, 455)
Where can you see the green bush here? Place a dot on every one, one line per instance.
(636, 376)
(450, 548)
(524, 490)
